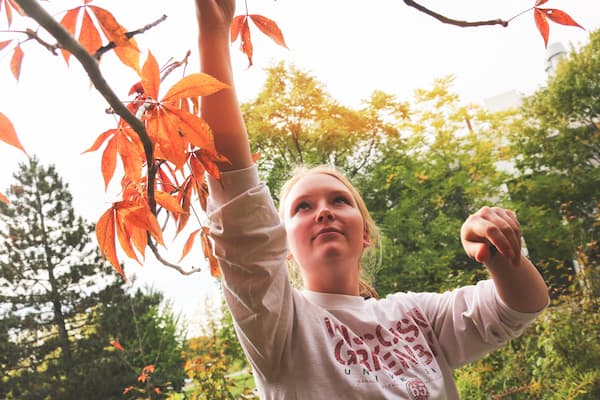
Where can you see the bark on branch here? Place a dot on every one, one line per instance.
(451, 21)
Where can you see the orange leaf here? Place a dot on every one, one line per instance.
(105, 234)
(111, 28)
(184, 197)
(169, 202)
(151, 77)
(99, 140)
(131, 154)
(89, 36)
(128, 389)
(188, 244)
(255, 157)
(170, 144)
(215, 268)
(142, 217)
(126, 49)
(269, 28)
(109, 161)
(236, 26)
(246, 45)
(540, 2)
(129, 55)
(124, 237)
(4, 199)
(4, 44)
(195, 129)
(149, 369)
(560, 17)
(194, 85)
(208, 252)
(8, 133)
(16, 6)
(208, 161)
(542, 24)
(69, 22)
(15, 62)
(117, 345)
(143, 377)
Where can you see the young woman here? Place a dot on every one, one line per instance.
(327, 341)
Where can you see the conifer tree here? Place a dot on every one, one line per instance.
(50, 276)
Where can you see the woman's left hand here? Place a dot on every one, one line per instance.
(492, 226)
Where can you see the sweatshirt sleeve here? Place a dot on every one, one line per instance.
(250, 244)
(472, 321)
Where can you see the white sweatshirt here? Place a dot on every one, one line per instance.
(309, 345)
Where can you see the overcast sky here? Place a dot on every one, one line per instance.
(353, 47)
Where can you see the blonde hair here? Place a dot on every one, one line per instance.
(365, 289)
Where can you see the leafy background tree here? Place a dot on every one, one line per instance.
(61, 304)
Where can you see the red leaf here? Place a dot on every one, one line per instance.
(188, 244)
(194, 85)
(4, 44)
(105, 234)
(15, 62)
(540, 2)
(99, 140)
(126, 49)
(69, 22)
(89, 36)
(184, 198)
(560, 17)
(246, 45)
(236, 26)
(109, 161)
(269, 28)
(4, 199)
(8, 133)
(168, 202)
(117, 345)
(142, 217)
(151, 77)
(542, 24)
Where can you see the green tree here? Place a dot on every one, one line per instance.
(50, 275)
(294, 121)
(62, 305)
(427, 180)
(557, 151)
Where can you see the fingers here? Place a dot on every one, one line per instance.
(493, 226)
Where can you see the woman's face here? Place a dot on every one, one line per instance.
(324, 228)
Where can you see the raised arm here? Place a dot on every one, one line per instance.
(221, 110)
(517, 281)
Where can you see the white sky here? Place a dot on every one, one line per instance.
(353, 47)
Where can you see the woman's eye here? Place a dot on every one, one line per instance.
(301, 206)
(341, 199)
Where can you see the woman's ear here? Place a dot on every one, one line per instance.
(366, 239)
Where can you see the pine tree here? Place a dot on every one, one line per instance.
(51, 274)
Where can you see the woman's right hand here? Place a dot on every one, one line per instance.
(214, 16)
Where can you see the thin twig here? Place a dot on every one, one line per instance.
(128, 35)
(451, 21)
(166, 263)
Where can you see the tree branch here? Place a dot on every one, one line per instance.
(129, 35)
(450, 21)
(91, 67)
(166, 263)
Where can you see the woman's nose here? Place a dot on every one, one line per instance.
(325, 214)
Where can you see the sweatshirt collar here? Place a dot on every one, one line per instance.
(331, 301)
